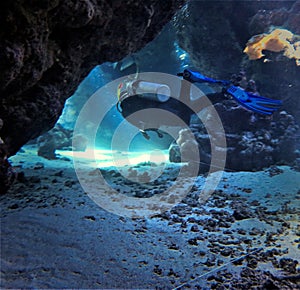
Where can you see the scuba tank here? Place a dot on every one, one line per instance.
(144, 89)
(153, 91)
(135, 95)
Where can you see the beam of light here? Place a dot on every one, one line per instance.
(102, 158)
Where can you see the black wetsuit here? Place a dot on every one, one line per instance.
(183, 107)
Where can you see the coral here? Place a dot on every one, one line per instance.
(277, 40)
(184, 135)
(284, 14)
(293, 51)
(253, 142)
(188, 145)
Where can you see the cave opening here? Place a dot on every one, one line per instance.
(166, 199)
(163, 54)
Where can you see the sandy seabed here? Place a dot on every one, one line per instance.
(247, 234)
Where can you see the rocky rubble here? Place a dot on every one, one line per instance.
(246, 235)
(253, 141)
(252, 144)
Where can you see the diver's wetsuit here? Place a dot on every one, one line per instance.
(183, 107)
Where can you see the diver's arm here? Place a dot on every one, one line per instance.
(197, 77)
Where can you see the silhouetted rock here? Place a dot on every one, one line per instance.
(48, 47)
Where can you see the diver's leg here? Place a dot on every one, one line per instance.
(145, 134)
(200, 103)
(157, 131)
(204, 102)
(159, 134)
(185, 92)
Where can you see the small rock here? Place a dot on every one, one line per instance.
(289, 265)
(226, 252)
(252, 263)
(247, 190)
(174, 247)
(59, 173)
(255, 203)
(157, 270)
(69, 183)
(241, 231)
(209, 262)
(274, 170)
(172, 273)
(254, 232)
(194, 228)
(14, 206)
(90, 217)
(241, 214)
(184, 224)
(39, 165)
(202, 253)
(193, 242)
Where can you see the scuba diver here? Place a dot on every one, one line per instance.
(137, 95)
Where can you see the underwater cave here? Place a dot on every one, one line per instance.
(150, 145)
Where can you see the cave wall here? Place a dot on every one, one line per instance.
(215, 33)
(48, 47)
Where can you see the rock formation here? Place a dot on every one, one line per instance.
(48, 47)
(215, 35)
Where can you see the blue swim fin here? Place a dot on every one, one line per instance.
(253, 102)
(248, 100)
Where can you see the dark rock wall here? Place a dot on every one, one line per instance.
(204, 31)
(48, 47)
(215, 33)
(278, 77)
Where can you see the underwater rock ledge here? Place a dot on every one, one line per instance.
(48, 47)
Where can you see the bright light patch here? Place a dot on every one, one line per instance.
(105, 158)
(182, 56)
